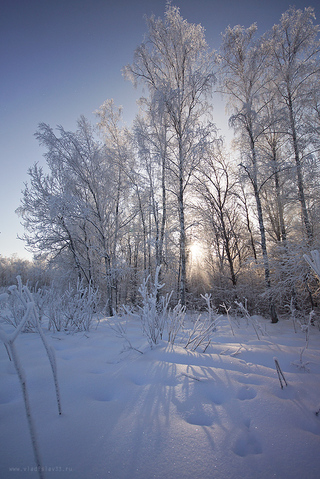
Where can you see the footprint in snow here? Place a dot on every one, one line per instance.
(246, 392)
(198, 417)
(247, 443)
(139, 380)
(217, 396)
(103, 396)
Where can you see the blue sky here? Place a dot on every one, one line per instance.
(63, 58)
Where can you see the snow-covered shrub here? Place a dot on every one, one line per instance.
(201, 333)
(74, 310)
(292, 277)
(153, 312)
(39, 296)
(56, 317)
(13, 310)
(175, 321)
(80, 304)
(203, 330)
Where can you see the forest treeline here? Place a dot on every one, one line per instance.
(113, 203)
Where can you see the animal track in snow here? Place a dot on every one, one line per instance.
(217, 396)
(198, 417)
(247, 422)
(103, 395)
(247, 443)
(246, 392)
(139, 380)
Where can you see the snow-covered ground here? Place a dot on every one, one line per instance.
(168, 413)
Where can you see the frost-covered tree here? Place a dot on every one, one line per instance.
(244, 61)
(176, 66)
(151, 135)
(219, 212)
(71, 212)
(119, 161)
(274, 165)
(295, 66)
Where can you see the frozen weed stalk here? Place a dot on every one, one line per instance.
(293, 314)
(120, 331)
(255, 323)
(223, 305)
(305, 328)
(202, 330)
(281, 377)
(175, 322)
(23, 294)
(152, 315)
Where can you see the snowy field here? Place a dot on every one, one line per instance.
(169, 413)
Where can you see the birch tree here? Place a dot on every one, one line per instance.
(295, 60)
(71, 210)
(151, 134)
(176, 66)
(217, 188)
(244, 62)
(118, 157)
(275, 165)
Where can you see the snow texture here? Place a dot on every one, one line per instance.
(168, 413)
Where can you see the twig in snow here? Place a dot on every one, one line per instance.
(223, 305)
(121, 332)
(280, 373)
(190, 376)
(254, 322)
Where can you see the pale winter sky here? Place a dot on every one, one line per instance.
(63, 58)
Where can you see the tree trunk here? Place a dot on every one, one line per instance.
(182, 275)
(302, 199)
(273, 313)
(282, 228)
(228, 250)
(182, 269)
